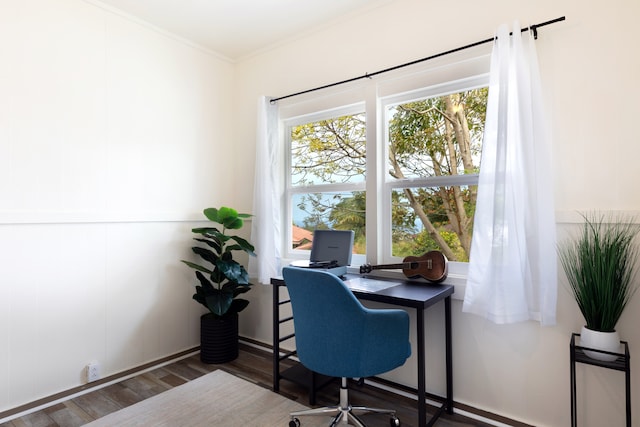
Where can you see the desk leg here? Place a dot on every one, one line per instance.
(422, 386)
(448, 404)
(276, 337)
(449, 353)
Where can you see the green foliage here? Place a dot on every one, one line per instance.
(437, 137)
(600, 267)
(349, 213)
(430, 137)
(329, 151)
(224, 279)
(317, 209)
(434, 137)
(421, 243)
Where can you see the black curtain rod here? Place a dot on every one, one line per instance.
(533, 28)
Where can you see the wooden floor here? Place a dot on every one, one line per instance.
(253, 364)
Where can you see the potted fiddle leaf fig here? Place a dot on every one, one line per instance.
(222, 280)
(600, 267)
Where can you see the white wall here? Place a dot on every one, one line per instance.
(109, 150)
(109, 137)
(589, 68)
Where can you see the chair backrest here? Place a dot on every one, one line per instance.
(336, 335)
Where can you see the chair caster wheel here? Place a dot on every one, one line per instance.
(394, 421)
(294, 423)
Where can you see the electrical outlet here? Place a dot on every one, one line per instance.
(93, 372)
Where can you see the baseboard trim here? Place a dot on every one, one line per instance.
(54, 399)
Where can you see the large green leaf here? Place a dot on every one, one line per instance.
(237, 305)
(233, 271)
(212, 243)
(214, 234)
(197, 267)
(205, 230)
(243, 244)
(212, 214)
(228, 217)
(202, 291)
(224, 215)
(219, 302)
(217, 276)
(206, 254)
(241, 289)
(206, 285)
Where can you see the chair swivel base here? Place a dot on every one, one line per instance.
(344, 414)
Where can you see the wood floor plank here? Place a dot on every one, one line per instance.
(144, 386)
(97, 404)
(185, 369)
(70, 415)
(172, 380)
(121, 395)
(37, 419)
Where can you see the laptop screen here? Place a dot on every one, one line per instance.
(332, 245)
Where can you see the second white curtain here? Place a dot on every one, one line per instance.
(512, 269)
(265, 227)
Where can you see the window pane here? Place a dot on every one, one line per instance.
(337, 211)
(433, 218)
(437, 136)
(329, 151)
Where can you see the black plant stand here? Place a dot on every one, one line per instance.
(621, 363)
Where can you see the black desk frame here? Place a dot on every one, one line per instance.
(407, 294)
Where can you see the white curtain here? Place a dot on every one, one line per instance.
(512, 267)
(265, 227)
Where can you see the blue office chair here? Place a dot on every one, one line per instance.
(337, 336)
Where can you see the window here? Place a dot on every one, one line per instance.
(401, 170)
(328, 173)
(433, 159)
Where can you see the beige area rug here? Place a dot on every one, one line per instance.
(215, 399)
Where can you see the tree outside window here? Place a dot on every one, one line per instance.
(433, 150)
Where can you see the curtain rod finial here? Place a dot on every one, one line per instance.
(534, 30)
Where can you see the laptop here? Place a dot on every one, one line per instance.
(330, 250)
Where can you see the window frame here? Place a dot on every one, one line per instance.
(390, 184)
(291, 190)
(373, 97)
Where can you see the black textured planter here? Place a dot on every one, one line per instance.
(218, 338)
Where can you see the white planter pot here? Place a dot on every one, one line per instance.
(607, 341)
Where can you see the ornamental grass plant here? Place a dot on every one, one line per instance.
(600, 266)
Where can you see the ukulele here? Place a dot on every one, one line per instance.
(431, 266)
